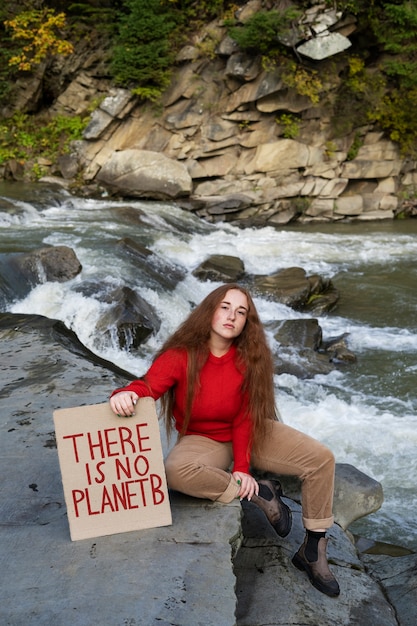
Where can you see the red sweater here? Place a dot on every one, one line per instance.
(219, 410)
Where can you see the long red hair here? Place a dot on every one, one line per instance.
(254, 356)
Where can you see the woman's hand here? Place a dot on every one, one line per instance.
(247, 483)
(123, 403)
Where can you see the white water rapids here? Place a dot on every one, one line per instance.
(365, 412)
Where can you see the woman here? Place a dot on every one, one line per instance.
(214, 376)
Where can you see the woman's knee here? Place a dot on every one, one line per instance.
(320, 452)
(329, 457)
(178, 471)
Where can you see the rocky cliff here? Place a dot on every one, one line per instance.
(231, 140)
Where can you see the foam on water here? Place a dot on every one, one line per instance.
(267, 250)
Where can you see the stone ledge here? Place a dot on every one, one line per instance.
(186, 574)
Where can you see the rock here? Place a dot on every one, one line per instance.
(282, 155)
(14, 170)
(52, 580)
(323, 46)
(220, 267)
(243, 14)
(337, 350)
(184, 85)
(54, 263)
(218, 129)
(130, 319)
(227, 203)
(216, 166)
(303, 333)
(397, 578)
(45, 367)
(303, 352)
(265, 84)
(284, 100)
(79, 94)
(271, 592)
(144, 174)
(154, 268)
(27, 92)
(361, 168)
(323, 295)
(348, 205)
(355, 495)
(292, 287)
(243, 66)
(117, 105)
(184, 114)
(68, 165)
(99, 122)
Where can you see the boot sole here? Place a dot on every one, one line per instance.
(303, 567)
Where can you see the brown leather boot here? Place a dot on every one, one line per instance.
(318, 571)
(269, 501)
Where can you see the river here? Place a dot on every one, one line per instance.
(365, 412)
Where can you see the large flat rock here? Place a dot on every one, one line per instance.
(197, 571)
(179, 574)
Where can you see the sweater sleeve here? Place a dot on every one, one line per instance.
(164, 373)
(241, 439)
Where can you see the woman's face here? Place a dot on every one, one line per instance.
(230, 317)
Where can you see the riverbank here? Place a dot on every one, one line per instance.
(230, 140)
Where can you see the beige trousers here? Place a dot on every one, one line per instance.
(200, 467)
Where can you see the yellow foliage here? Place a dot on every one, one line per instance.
(305, 82)
(39, 32)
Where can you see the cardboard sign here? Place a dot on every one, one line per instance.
(112, 469)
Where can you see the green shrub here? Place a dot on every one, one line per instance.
(24, 137)
(359, 95)
(305, 81)
(290, 124)
(396, 115)
(395, 27)
(262, 32)
(142, 56)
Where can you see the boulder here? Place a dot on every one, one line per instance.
(220, 267)
(355, 495)
(144, 174)
(303, 352)
(51, 580)
(292, 287)
(129, 320)
(154, 269)
(53, 263)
